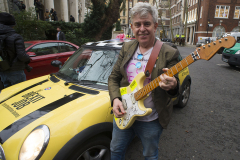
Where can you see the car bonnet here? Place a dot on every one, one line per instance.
(33, 103)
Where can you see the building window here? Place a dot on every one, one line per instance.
(222, 11)
(236, 13)
(195, 16)
(201, 12)
(163, 13)
(124, 12)
(123, 21)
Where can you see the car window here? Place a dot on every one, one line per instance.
(238, 39)
(91, 65)
(27, 45)
(45, 49)
(64, 47)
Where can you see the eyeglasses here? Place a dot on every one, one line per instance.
(140, 58)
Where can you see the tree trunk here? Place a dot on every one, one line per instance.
(111, 15)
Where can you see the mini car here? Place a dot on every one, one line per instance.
(232, 55)
(43, 52)
(66, 115)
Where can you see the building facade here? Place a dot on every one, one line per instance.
(64, 8)
(207, 18)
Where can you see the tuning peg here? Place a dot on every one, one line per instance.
(220, 41)
(225, 39)
(214, 43)
(209, 45)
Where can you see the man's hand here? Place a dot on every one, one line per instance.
(118, 108)
(167, 83)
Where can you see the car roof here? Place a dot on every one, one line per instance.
(115, 43)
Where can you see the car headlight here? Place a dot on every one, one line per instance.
(35, 144)
(238, 52)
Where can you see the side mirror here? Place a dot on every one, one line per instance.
(31, 54)
(56, 63)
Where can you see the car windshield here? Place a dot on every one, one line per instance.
(90, 65)
(27, 45)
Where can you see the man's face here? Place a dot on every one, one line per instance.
(58, 29)
(144, 29)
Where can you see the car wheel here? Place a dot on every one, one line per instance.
(183, 98)
(97, 148)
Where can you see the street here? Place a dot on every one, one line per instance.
(209, 126)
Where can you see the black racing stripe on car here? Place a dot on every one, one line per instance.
(21, 123)
(84, 90)
(25, 89)
(54, 79)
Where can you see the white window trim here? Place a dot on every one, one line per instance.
(235, 11)
(201, 11)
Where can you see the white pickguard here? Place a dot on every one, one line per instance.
(131, 108)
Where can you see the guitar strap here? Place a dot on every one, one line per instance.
(153, 58)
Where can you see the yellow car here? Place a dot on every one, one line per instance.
(68, 114)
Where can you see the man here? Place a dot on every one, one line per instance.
(54, 15)
(38, 7)
(60, 35)
(22, 6)
(14, 45)
(72, 19)
(148, 128)
(46, 15)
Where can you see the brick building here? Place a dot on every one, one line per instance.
(205, 17)
(217, 17)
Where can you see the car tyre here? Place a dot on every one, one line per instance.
(184, 96)
(97, 148)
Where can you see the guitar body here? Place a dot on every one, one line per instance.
(132, 107)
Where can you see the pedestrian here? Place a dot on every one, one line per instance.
(72, 19)
(14, 45)
(60, 34)
(54, 14)
(23, 7)
(38, 8)
(46, 15)
(144, 18)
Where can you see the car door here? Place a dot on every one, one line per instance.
(65, 51)
(41, 57)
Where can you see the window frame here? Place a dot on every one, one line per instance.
(225, 6)
(238, 12)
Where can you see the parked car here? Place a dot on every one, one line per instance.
(232, 55)
(66, 115)
(43, 52)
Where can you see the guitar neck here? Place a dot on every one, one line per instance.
(171, 72)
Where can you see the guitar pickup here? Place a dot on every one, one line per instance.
(133, 99)
(124, 104)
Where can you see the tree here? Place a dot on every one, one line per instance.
(169, 8)
(160, 16)
(98, 24)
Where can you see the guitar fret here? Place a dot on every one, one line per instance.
(176, 68)
(181, 64)
(186, 61)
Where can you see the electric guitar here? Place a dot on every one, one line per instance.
(133, 96)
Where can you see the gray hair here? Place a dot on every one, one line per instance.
(143, 8)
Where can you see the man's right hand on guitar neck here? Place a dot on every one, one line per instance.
(118, 109)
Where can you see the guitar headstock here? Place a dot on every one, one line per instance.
(207, 51)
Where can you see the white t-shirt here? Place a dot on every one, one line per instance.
(132, 71)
